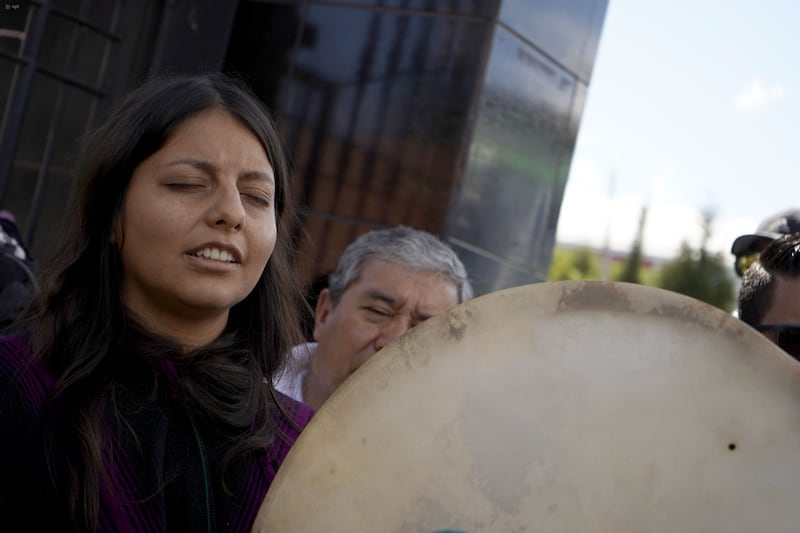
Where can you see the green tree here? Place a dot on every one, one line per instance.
(573, 264)
(700, 274)
(631, 269)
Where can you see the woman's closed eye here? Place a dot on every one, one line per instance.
(258, 198)
(184, 185)
(185, 181)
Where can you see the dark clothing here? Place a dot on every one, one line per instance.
(163, 467)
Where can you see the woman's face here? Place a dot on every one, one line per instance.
(197, 227)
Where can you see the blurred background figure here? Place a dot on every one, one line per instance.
(746, 248)
(17, 271)
(769, 297)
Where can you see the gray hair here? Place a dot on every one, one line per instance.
(412, 249)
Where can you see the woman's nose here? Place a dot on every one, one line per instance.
(228, 209)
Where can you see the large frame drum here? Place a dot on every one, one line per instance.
(574, 406)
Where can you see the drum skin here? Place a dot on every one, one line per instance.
(569, 406)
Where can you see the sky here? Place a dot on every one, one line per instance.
(692, 107)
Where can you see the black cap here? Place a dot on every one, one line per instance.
(769, 230)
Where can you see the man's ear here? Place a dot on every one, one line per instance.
(322, 312)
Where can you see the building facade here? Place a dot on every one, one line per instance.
(454, 116)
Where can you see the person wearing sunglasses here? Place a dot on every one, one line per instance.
(769, 296)
(746, 248)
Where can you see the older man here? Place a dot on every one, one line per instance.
(769, 297)
(387, 282)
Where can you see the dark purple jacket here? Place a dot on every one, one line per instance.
(167, 479)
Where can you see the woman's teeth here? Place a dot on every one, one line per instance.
(216, 254)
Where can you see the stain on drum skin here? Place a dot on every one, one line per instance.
(594, 296)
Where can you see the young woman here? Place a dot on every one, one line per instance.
(137, 394)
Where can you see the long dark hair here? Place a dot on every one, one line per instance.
(75, 324)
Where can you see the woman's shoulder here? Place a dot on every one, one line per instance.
(290, 419)
(292, 414)
(15, 356)
(13, 347)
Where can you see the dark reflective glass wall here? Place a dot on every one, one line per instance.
(374, 102)
(566, 31)
(454, 116)
(504, 216)
(61, 64)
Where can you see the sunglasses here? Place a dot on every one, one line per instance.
(787, 336)
(744, 261)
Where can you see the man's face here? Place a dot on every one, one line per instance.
(785, 310)
(385, 301)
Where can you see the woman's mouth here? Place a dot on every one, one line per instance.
(214, 254)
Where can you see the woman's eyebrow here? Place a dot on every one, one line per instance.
(259, 176)
(207, 166)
